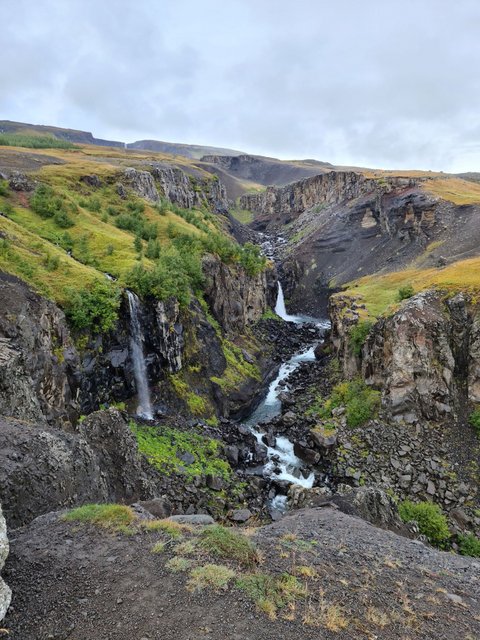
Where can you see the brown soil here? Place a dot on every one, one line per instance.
(77, 582)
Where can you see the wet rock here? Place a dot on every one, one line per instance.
(302, 451)
(232, 454)
(289, 418)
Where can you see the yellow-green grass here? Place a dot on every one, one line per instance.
(380, 292)
(24, 255)
(242, 215)
(115, 517)
(454, 190)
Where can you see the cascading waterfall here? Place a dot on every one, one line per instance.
(282, 463)
(280, 308)
(144, 408)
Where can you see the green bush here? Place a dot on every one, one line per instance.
(474, 420)
(431, 521)
(360, 401)
(405, 292)
(469, 545)
(46, 203)
(358, 334)
(94, 308)
(251, 259)
(63, 220)
(3, 188)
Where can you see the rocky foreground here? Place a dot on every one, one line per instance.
(317, 573)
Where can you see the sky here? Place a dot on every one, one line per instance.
(378, 83)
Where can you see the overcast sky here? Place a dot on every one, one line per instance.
(382, 83)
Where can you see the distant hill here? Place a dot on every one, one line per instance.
(71, 135)
(187, 150)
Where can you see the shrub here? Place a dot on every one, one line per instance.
(474, 420)
(62, 220)
(431, 521)
(229, 545)
(405, 292)
(46, 203)
(360, 401)
(109, 516)
(3, 188)
(94, 308)
(358, 335)
(252, 259)
(51, 262)
(469, 545)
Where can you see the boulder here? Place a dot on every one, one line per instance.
(241, 515)
(158, 507)
(371, 504)
(193, 518)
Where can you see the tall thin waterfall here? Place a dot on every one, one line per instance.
(144, 408)
(280, 309)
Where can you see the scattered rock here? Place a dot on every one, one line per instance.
(241, 515)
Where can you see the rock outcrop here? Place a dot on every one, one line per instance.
(235, 298)
(43, 469)
(5, 593)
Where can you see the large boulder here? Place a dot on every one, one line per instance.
(5, 593)
(43, 469)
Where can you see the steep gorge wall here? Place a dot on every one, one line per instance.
(425, 357)
(48, 376)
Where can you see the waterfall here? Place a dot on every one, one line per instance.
(280, 309)
(144, 408)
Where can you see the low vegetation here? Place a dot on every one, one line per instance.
(213, 576)
(405, 292)
(94, 308)
(469, 545)
(430, 519)
(229, 545)
(115, 517)
(358, 335)
(271, 593)
(361, 403)
(164, 448)
(34, 141)
(474, 420)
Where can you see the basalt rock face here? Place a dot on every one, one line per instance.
(186, 191)
(190, 191)
(5, 593)
(425, 357)
(236, 299)
(43, 468)
(342, 225)
(35, 354)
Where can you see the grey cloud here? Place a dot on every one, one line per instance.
(375, 83)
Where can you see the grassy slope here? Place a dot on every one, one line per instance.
(32, 239)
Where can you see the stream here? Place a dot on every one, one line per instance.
(282, 463)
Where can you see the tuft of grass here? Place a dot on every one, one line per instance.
(229, 545)
(158, 547)
(325, 614)
(109, 516)
(431, 521)
(361, 402)
(178, 564)
(377, 617)
(170, 527)
(213, 576)
(271, 593)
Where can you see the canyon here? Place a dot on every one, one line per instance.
(301, 377)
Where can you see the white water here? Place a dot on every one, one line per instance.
(144, 408)
(282, 463)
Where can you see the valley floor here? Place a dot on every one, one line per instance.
(74, 581)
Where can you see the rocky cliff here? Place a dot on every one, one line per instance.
(424, 357)
(342, 225)
(170, 182)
